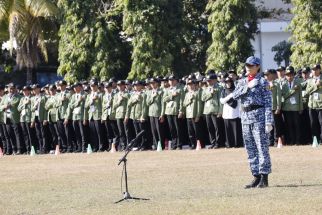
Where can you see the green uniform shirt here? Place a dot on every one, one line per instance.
(276, 95)
(211, 98)
(12, 112)
(120, 104)
(314, 92)
(38, 108)
(173, 99)
(154, 102)
(24, 108)
(51, 107)
(292, 96)
(76, 106)
(191, 104)
(63, 100)
(136, 106)
(107, 106)
(94, 105)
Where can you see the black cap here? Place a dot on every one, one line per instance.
(152, 80)
(228, 79)
(232, 71)
(128, 82)
(35, 86)
(11, 85)
(108, 84)
(113, 80)
(289, 70)
(77, 84)
(192, 81)
(121, 82)
(93, 82)
(62, 82)
(210, 71)
(52, 87)
(2, 87)
(138, 83)
(280, 68)
(316, 66)
(306, 70)
(172, 77)
(26, 88)
(211, 77)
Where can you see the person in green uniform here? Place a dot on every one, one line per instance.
(173, 99)
(9, 106)
(137, 111)
(39, 118)
(292, 106)
(119, 107)
(25, 110)
(213, 109)
(192, 109)
(305, 122)
(314, 91)
(94, 106)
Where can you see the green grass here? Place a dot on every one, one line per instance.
(177, 182)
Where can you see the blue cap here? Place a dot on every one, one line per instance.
(253, 61)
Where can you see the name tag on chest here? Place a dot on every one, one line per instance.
(293, 100)
(316, 96)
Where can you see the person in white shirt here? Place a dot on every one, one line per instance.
(231, 116)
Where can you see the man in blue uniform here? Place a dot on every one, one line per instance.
(257, 120)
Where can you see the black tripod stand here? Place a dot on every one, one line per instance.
(126, 194)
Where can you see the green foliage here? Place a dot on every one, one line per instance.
(232, 24)
(283, 52)
(306, 28)
(90, 44)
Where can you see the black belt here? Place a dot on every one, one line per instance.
(251, 107)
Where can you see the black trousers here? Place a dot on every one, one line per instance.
(292, 122)
(79, 135)
(25, 126)
(213, 125)
(123, 132)
(305, 122)
(278, 125)
(64, 133)
(4, 139)
(141, 142)
(316, 123)
(156, 130)
(192, 132)
(175, 131)
(96, 137)
(112, 131)
(55, 135)
(14, 135)
(233, 131)
(41, 136)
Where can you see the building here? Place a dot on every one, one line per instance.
(272, 29)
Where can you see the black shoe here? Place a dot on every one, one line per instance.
(263, 182)
(18, 152)
(254, 183)
(216, 147)
(63, 151)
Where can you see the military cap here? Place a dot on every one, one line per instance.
(306, 70)
(93, 82)
(232, 71)
(86, 89)
(192, 81)
(172, 77)
(253, 61)
(316, 67)
(52, 87)
(11, 85)
(128, 82)
(152, 80)
(289, 70)
(26, 88)
(138, 83)
(113, 80)
(121, 82)
(210, 71)
(46, 86)
(211, 77)
(35, 86)
(108, 84)
(62, 82)
(280, 68)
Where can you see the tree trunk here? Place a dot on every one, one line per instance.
(29, 76)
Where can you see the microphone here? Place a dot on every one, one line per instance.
(138, 136)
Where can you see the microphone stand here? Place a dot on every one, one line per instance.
(126, 194)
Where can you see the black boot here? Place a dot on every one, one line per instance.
(263, 182)
(254, 183)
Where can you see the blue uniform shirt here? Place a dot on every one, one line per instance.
(258, 95)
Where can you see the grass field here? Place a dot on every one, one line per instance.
(177, 182)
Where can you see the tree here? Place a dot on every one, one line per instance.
(153, 26)
(306, 28)
(232, 24)
(90, 43)
(283, 52)
(25, 20)
(195, 37)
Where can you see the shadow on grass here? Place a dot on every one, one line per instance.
(298, 185)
